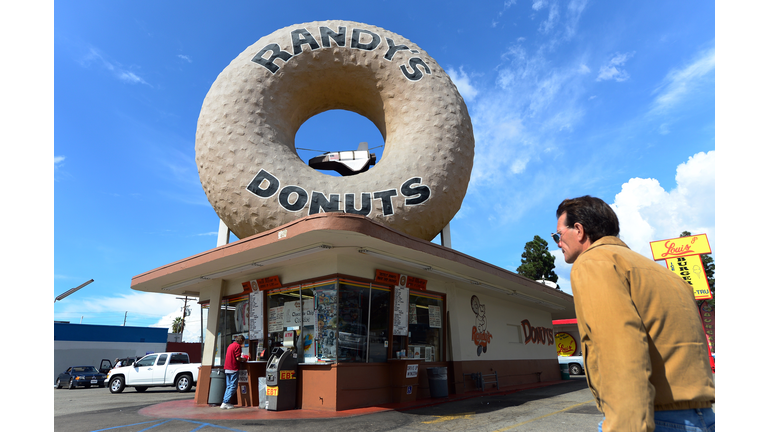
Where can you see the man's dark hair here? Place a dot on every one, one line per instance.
(239, 339)
(597, 217)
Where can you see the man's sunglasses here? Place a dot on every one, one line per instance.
(557, 236)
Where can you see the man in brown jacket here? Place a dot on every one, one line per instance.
(644, 346)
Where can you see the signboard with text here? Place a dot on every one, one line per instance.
(391, 278)
(691, 269)
(681, 246)
(683, 256)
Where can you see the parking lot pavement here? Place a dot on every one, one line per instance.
(565, 406)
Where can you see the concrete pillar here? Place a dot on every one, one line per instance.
(445, 236)
(223, 234)
(214, 311)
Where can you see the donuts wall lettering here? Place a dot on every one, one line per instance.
(302, 36)
(265, 185)
(245, 143)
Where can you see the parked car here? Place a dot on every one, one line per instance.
(575, 364)
(80, 376)
(155, 370)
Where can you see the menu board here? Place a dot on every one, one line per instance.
(400, 316)
(435, 316)
(256, 320)
(276, 319)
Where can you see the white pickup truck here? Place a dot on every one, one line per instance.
(155, 370)
(575, 364)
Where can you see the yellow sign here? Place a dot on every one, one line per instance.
(679, 247)
(287, 374)
(566, 344)
(691, 269)
(272, 391)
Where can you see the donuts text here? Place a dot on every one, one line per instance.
(295, 198)
(361, 39)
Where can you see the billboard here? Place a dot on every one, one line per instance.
(683, 256)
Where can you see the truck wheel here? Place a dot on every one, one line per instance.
(183, 383)
(141, 389)
(116, 384)
(574, 369)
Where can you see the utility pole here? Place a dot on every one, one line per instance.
(183, 314)
(125, 318)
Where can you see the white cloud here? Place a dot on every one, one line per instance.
(612, 70)
(538, 4)
(184, 57)
(130, 77)
(514, 122)
(192, 329)
(563, 271)
(680, 83)
(552, 19)
(206, 234)
(58, 162)
(461, 79)
(507, 5)
(648, 213)
(115, 68)
(135, 303)
(575, 8)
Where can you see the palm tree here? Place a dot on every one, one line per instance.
(178, 325)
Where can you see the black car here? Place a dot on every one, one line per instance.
(80, 376)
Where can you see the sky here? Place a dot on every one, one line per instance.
(567, 98)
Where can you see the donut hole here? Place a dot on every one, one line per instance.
(334, 131)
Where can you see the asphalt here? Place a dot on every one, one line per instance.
(188, 409)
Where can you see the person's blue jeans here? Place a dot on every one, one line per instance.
(689, 420)
(231, 386)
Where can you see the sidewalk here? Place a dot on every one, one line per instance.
(187, 409)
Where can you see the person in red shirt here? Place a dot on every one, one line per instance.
(231, 368)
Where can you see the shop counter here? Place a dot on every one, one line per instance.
(248, 386)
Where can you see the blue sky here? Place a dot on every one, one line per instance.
(567, 98)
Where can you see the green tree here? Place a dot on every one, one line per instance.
(537, 262)
(709, 269)
(178, 325)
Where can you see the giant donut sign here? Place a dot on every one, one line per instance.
(245, 148)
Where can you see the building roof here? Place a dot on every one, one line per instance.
(343, 236)
(108, 333)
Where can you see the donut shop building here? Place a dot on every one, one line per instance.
(369, 310)
(339, 271)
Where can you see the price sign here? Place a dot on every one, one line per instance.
(400, 315)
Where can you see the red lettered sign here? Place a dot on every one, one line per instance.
(416, 283)
(268, 283)
(386, 277)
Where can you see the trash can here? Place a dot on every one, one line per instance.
(564, 374)
(438, 381)
(217, 388)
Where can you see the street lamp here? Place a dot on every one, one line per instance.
(71, 291)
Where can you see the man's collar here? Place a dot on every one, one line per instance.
(607, 241)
